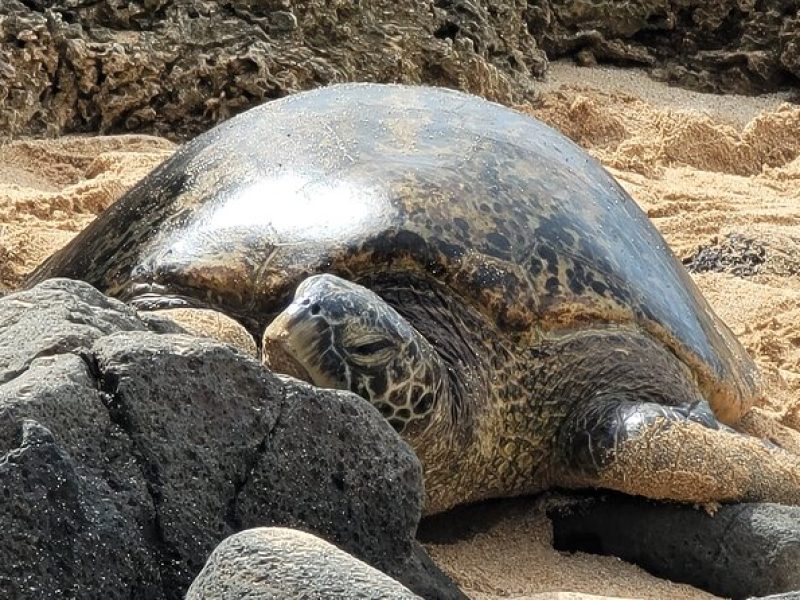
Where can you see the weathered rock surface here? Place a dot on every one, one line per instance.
(744, 256)
(743, 550)
(66, 533)
(277, 563)
(336, 492)
(76, 514)
(718, 45)
(59, 317)
(128, 455)
(177, 67)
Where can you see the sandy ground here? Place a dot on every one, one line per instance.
(703, 167)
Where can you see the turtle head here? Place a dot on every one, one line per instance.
(340, 335)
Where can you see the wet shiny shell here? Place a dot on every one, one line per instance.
(379, 181)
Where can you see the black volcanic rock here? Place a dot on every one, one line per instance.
(743, 550)
(128, 455)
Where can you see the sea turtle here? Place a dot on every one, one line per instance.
(479, 278)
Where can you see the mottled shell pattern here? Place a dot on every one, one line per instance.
(380, 182)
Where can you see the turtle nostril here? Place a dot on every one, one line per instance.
(314, 309)
(305, 302)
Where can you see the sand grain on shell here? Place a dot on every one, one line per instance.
(701, 166)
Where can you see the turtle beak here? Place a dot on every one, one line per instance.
(276, 354)
(291, 345)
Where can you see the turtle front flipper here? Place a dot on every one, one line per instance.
(660, 439)
(664, 453)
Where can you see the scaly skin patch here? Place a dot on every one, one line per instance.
(344, 336)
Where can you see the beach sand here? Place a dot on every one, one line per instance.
(703, 168)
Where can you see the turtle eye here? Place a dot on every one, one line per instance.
(370, 347)
(371, 350)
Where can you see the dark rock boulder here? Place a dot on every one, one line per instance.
(357, 484)
(57, 317)
(66, 535)
(130, 454)
(226, 444)
(76, 513)
(277, 563)
(196, 413)
(743, 550)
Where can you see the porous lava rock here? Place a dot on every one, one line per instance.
(740, 46)
(177, 67)
(272, 563)
(742, 550)
(128, 455)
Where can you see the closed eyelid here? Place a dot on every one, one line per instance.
(371, 346)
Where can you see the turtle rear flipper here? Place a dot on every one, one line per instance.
(674, 453)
